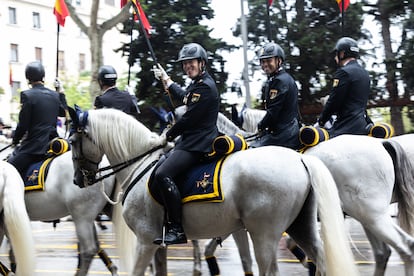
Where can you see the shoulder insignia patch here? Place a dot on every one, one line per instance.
(335, 82)
(195, 97)
(273, 93)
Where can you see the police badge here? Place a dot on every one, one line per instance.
(335, 82)
(273, 93)
(195, 97)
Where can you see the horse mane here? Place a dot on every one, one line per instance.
(120, 133)
(226, 126)
(251, 117)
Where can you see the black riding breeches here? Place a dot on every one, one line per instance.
(177, 162)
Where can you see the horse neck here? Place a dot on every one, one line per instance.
(128, 174)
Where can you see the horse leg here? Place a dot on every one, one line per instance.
(210, 258)
(300, 255)
(265, 249)
(385, 230)
(12, 260)
(242, 242)
(88, 245)
(197, 258)
(309, 241)
(108, 262)
(160, 262)
(382, 253)
(143, 256)
(4, 270)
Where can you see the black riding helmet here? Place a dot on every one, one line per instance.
(192, 51)
(272, 49)
(107, 75)
(35, 71)
(348, 45)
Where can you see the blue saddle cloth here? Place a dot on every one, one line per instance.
(36, 175)
(200, 184)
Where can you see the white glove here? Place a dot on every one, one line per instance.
(163, 138)
(159, 73)
(57, 85)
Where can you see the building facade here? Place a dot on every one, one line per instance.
(30, 32)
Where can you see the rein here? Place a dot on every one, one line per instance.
(137, 178)
(123, 165)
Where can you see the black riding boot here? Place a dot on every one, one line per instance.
(172, 201)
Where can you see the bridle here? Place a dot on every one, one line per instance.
(90, 174)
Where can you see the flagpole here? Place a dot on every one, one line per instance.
(144, 32)
(342, 16)
(130, 46)
(246, 64)
(57, 50)
(269, 31)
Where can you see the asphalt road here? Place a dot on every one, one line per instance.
(56, 254)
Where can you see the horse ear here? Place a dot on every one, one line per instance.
(73, 115)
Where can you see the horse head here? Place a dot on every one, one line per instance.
(85, 153)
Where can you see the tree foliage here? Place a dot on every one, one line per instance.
(175, 23)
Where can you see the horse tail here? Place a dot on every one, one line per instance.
(17, 220)
(404, 184)
(125, 238)
(338, 254)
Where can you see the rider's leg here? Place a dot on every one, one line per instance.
(172, 201)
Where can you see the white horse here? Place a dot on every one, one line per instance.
(15, 221)
(371, 174)
(61, 198)
(267, 190)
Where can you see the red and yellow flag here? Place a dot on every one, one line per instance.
(144, 20)
(61, 11)
(346, 4)
(123, 3)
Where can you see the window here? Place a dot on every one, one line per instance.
(81, 62)
(14, 52)
(36, 20)
(15, 87)
(12, 16)
(61, 60)
(110, 2)
(38, 54)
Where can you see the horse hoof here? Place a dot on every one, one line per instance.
(114, 270)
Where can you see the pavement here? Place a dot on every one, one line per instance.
(57, 255)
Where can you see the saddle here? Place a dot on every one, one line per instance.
(36, 173)
(310, 136)
(203, 182)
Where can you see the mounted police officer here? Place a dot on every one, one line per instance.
(111, 96)
(40, 108)
(349, 94)
(197, 129)
(280, 125)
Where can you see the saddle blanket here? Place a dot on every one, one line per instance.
(201, 184)
(36, 175)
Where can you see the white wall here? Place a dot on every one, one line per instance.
(71, 41)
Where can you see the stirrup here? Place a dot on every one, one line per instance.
(161, 243)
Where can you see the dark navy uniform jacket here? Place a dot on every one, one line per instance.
(198, 125)
(114, 98)
(37, 119)
(281, 119)
(348, 100)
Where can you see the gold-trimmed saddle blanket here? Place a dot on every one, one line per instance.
(201, 184)
(36, 175)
